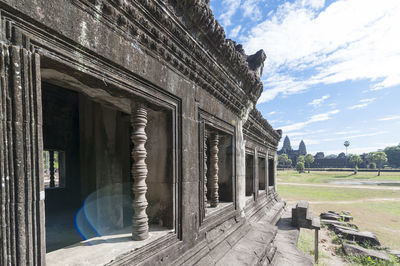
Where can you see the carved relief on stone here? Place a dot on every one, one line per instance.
(214, 197)
(140, 227)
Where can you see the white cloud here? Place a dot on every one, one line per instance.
(348, 40)
(350, 136)
(271, 113)
(251, 9)
(363, 103)
(312, 119)
(389, 118)
(235, 31)
(319, 101)
(347, 132)
(231, 7)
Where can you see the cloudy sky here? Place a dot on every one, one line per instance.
(332, 71)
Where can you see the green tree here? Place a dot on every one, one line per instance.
(289, 162)
(379, 158)
(308, 159)
(283, 158)
(355, 160)
(300, 167)
(301, 159)
(393, 155)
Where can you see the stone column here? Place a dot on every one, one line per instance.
(140, 226)
(205, 171)
(214, 140)
(21, 158)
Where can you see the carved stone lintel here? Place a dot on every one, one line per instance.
(140, 226)
(214, 140)
(205, 171)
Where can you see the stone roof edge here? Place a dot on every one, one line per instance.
(191, 41)
(257, 116)
(247, 68)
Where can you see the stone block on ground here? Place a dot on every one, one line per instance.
(335, 228)
(359, 237)
(353, 250)
(395, 253)
(347, 218)
(302, 217)
(335, 216)
(330, 216)
(328, 222)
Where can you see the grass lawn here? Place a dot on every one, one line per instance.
(370, 212)
(293, 193)
(328, 176)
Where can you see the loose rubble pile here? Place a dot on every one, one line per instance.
(355, 242)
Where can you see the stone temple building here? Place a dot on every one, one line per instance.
(292, 154)
(129, 136)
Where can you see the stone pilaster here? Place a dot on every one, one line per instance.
(214, 197)
(21, 162)
(140, 226)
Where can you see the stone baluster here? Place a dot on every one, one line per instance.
(214, 200)
(205, 171)
(52, 182)
(140, 227)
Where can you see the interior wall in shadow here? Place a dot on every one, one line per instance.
(225, 164)
(271, 172)
(261, 173)
(160, 180)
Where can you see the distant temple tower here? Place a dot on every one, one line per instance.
(287, 147)
(292, 154)
(302, 148)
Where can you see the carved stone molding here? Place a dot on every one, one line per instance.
(214, 197)
(147, 22)
(140, 226)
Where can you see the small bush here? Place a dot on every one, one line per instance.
(372, 166)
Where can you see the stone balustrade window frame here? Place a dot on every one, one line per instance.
(211, 124)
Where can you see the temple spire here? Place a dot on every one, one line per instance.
(302, 148)
(286, 145)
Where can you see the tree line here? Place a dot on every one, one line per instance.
(378, 159)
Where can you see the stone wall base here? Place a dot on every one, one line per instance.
(250, 242)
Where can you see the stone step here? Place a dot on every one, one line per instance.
(253, 247)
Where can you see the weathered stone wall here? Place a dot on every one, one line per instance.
(175, 58)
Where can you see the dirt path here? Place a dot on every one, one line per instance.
(343, 186)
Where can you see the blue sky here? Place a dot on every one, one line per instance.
(332, 71)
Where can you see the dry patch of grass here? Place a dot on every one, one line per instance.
(327, 249)
(378, 217)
